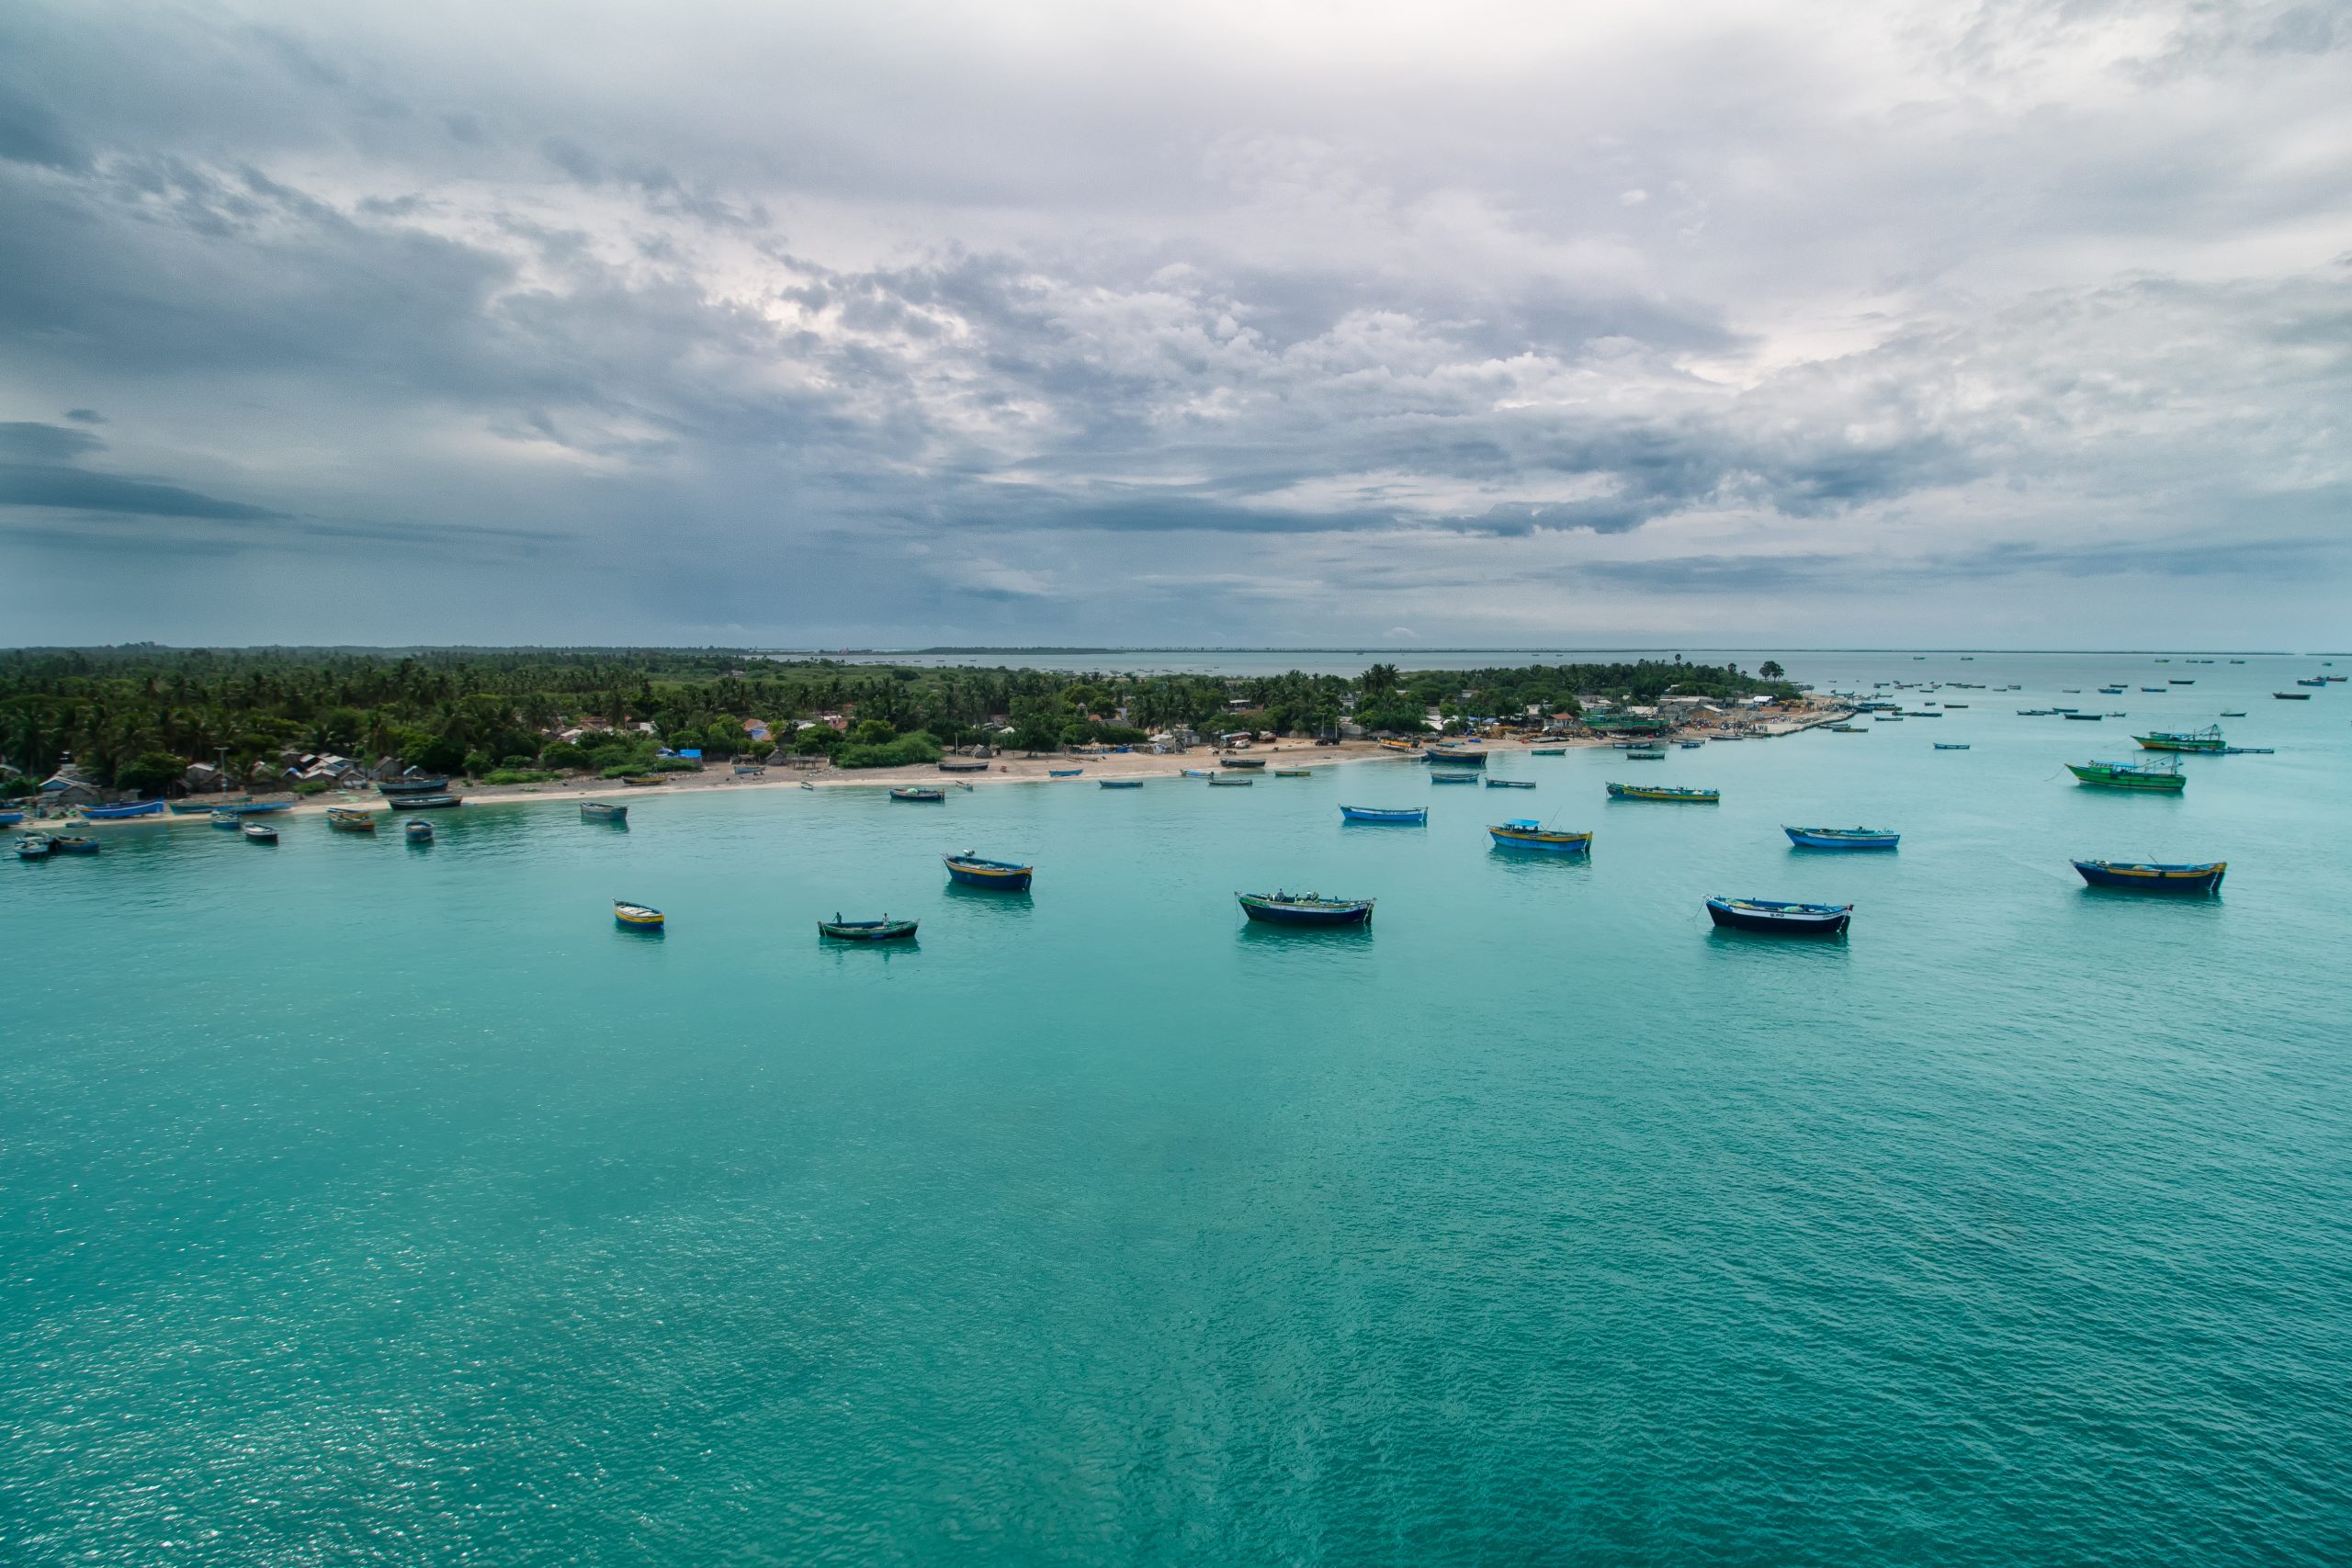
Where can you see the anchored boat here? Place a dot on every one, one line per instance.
(418, 830)
(350, 819)
(1843, 837)
(2208, 740)
(1227, 781)
(1676, 793)
(998, 875)
(1779, 919)
(1397, 816)
(260, 833)
(1510, 784)
(2146, 876)
(34, 846)
(2165, 780)
(1280, 908)
(1526, 834)
(603, 811)
(1122, 783)
(424, 802)
(1063, 772)
(1453, 778)
(924, 794)
(883, 930)
(637, 917)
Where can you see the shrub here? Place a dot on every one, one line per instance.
(564, 754)
(904, 750)
(312, 786)
(517, 775)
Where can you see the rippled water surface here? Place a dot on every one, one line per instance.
(363, 1202)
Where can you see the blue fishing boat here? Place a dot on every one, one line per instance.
(194, 808)
(2144, 877)
(33, 846)
(883, 930)
(1455, 756)
(998, 875)
(1842, 837)
(74, 844)
(121, 813)
(1197, 773)
(1393, 816)
(418, 832)
(1526, 834)
(1777, 918)
(1453, 778)
(1510, 784)
(1280, 908)
(1548, 752)
(638, 917)
(420, 785)
(257, 808)
(1063, 772)
(603, 811)
(9, 818)
(1119, 783)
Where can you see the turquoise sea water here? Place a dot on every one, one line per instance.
(362, 1202)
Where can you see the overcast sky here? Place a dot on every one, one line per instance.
(2005, 325)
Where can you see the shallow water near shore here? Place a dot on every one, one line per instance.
(366, 1202)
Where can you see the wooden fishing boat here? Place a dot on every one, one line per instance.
(1693, 745)
(1450, 756)
(1198, 772)
(1923, 712)
(2292, 696)
(2180, 681)
(424, 802)
(964, 765)
(226, 818)
(1280, 908)
(1063, 772)
(2312, 681)
(1548, 752)
(1949, 707)
(1227, 781)
(603, 811)
(1400, 745)
(1294, 772)
(191, 809)
(1952, 745)
(883, 930)
(2146, 776)
(2234, 712)
(997, 876)
(1646, 755)
(1453, 778)
(121, 813)
(10, 819)
(1392, 816)
(926, 795)
(1510, 784)
(1526, 834)
(34, 846)
(257, 808)
(1676, 793)
(259, 833)
(74, 844)
(350, 819)
(748, 771)
(2090, 717)
(1243, 762)
(1843, 837)
(2142, 876)
(418, 832)
(1777, 918)
(644, 781)
(2208, 740)
(638, 917)
(1886, 718)
(412, 786)
(1119, 783)
(1849, 729)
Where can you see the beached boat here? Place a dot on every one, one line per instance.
(226, 818)
(1247, 763)
(424, 802)
(1400, 745)
(1526, 834)
(1229, 781)
(1453, 778)
(1777, 918)
(637, 917)
(259, 833)
(925, 794)
(10, 819)
(2142, 876)
(603, 811)
(121, 813)
(964, 765)
(1510, 784)
(33, 846)
(1280, 908)
(418, 832)
(194, 808)
(1677, 793)
(883, 930)
(998, 875)
(2146, 776)
(350, 819)
(2209, 740)
(1294, 772)
(257, 808)
(412, 786)
(1952, 745)
(1197, 772)
(644, 781)
(1063, 772)
(1119, 783)
(1843, 837)
(1393, 816)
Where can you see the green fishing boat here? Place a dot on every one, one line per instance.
(2166, 779)
(2209, 740)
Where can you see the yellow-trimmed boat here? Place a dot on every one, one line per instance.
(637, 917)
(1522, 833)
(350, 819)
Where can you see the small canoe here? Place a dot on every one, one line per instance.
(1304, 910)
(418, 832)
(34, 846)
(1063, 772)
(644, 781)
(1843, 837)
(883, 930)
(1223, 781)
(603, 811)
(997, 876)
(1392, 816)
(350, 819)
(922, 794)
(121, 813)
(1528, 834)
(1120, 783)
(1453, 778)
(2144, 877)
(1510, 784)
(637, 917)
(1678, 794)
(1777, 918)
(260, 833)
(424, 802)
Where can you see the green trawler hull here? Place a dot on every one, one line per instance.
(2117, 775)
(2193, 740)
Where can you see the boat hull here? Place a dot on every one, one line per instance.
(1833, 839)
(998, 876)
(602, 811)
(1119, 783)
(2139, 877)
(866, 930)
(424, 802)
(1288, 912)
(1405, 816)
(1537, 842)
(1665, 793)
(920, 796)
(2114, 778)
(121, 813)
(1769, 917)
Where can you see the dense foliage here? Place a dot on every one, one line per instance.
(134, 717)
